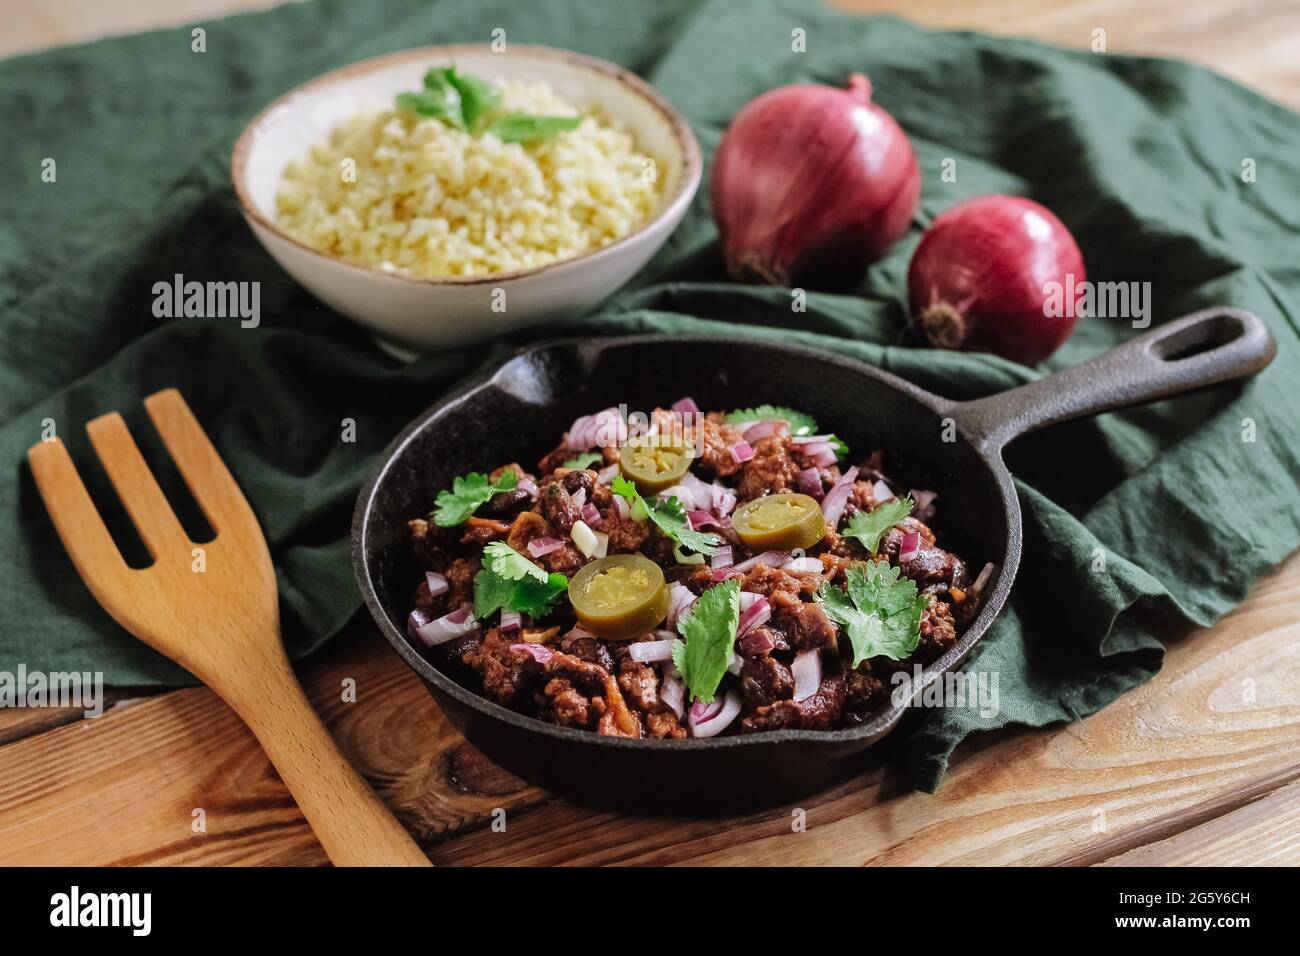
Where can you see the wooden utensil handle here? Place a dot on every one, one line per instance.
(351, 822)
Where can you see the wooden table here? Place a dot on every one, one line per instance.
(1179, 771)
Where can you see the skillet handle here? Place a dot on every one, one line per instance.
(1204, 348)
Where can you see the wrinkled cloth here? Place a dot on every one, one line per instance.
(1190, 500)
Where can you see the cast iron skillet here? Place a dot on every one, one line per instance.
(518, 412)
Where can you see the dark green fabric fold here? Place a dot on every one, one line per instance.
(1141, 158)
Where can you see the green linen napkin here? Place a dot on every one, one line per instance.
(1189, 500)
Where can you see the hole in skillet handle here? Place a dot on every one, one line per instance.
(1212, 332)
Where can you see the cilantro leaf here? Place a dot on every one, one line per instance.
(880, 612)
(509, 580)
(669, 516)
(493, 592)
(467, 493)
(508, 563)
(800, 424)
(522, 128)
(710, 632)
(583, 460)
(869, 526)
(837, 443)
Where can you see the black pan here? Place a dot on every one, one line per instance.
(518, 412)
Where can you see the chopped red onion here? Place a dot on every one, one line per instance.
(683, 494)
(622, 507)
(721, 558)
(673, 693)
(650, 652)
(810, 483)
(924, 508)
(761, 430)
(807, 672)
(773, 559)
(417, 619)
(804, 566)
(579, 498)
(812, 439)
(713, 722)
(540, 547)
(747, 599)
(910, 546)
(702, 519)
(700, 711)
(680, 599)
(756, 643)
(590, 514)
(737, 664)
(511, 621)
(456, 624)
(437, 583)
(881, 491)
(835, 500)
(686, 405)
(528, 485)
(574, 634)
(721, 574)
(713, 497)
(724, 502)
(605, 428)
(607, 474)
(825, 458)
(541, 653)
(665, 635)
(812, 449)
(758, 614)
(742, 451)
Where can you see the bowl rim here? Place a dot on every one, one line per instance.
(864, 734)
(687, 145)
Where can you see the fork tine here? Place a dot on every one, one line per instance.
(84, 535)
(150, 511)
(206, 475)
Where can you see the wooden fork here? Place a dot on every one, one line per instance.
(215, 612)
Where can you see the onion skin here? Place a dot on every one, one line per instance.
(976, 281)
(811, 182)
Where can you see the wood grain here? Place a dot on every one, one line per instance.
(121, 788)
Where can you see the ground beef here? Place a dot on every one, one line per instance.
(763, 681)
(460, 581)
(863, 691)
(558, 508)
(771, 470)
(938, 630)
(716, 459)
(509, 676)
(588, 677)
(562, 702)
(821, 711)
(618, 720)
(591, 650)
(530, 525)
(804, 624)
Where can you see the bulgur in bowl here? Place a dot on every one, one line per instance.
(434, 233)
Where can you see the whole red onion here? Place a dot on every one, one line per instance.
(812, 182)
(981, 279)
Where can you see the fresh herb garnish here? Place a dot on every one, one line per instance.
(509, 580)
(583, 460)
(800, 424)
(467, 493)
(880, 612)
(469, 103)
(522, 128)
(710, 631)
(837, 443)
(668, 516)
(869, 526)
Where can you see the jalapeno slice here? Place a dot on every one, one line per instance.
(780, 522)
(653, 465)
(619, 597)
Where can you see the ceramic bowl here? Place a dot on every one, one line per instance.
(411, 314)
